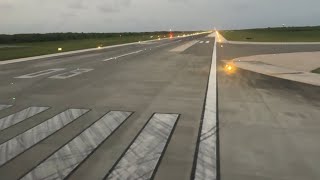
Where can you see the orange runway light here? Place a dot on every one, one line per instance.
(229, 68)
(171, 35)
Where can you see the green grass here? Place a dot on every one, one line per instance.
(43, 48)
(316, 71)
(287, 34)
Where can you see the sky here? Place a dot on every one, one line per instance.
(43, 16)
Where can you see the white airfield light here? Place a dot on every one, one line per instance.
(59, 49)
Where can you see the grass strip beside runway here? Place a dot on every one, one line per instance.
(282, 34)
(316, 71)
(22, 50)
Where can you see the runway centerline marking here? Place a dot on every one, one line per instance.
(167, 43)
(207, 42)
(20, 116)
(205, 166)
(60, 164)
(40, 73)
(71, 73)
(184, 46)
(201, 42)
(123, 55)
(22, 142)
(140, 160)
(136, 52)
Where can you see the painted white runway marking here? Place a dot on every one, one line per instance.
(20, 116)
(168, 43)
(114, 58)
(2, 107)
(40, 73)
(143, 155)
(201, 42)
(207, 42)
(206, 160)
(70, 74)
(67, 158)
(185, 46)
(212, 35)
(24, 141)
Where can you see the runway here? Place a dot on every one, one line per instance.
(150, 110)
(91, 109)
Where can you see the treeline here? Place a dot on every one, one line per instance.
(25, 38)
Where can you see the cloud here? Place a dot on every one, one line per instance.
(40, 16)
(107, 8)
(79, 4)
(114, 6)
(6, 6)
(179, 1)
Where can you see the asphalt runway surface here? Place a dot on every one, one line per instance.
(135, 111)
(155, 97)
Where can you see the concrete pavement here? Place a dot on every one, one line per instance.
(145, 104)
(268, 127)
(291, 66)
(90, 90)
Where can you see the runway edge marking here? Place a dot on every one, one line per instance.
(205, 160)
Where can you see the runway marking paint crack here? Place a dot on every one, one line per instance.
(20, 116)
(66, 159)
(141, 158)
(17, 145)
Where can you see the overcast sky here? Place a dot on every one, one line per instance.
(40, 16)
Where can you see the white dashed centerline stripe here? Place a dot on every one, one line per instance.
(40, 73)
(184, 46)
(167, 44)
(22, 142)
(123, 55)
(201, 42)
(2, 107)
(20, 116)
(60, 164)
(206, 158)
(207, 42)
(142, 156)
